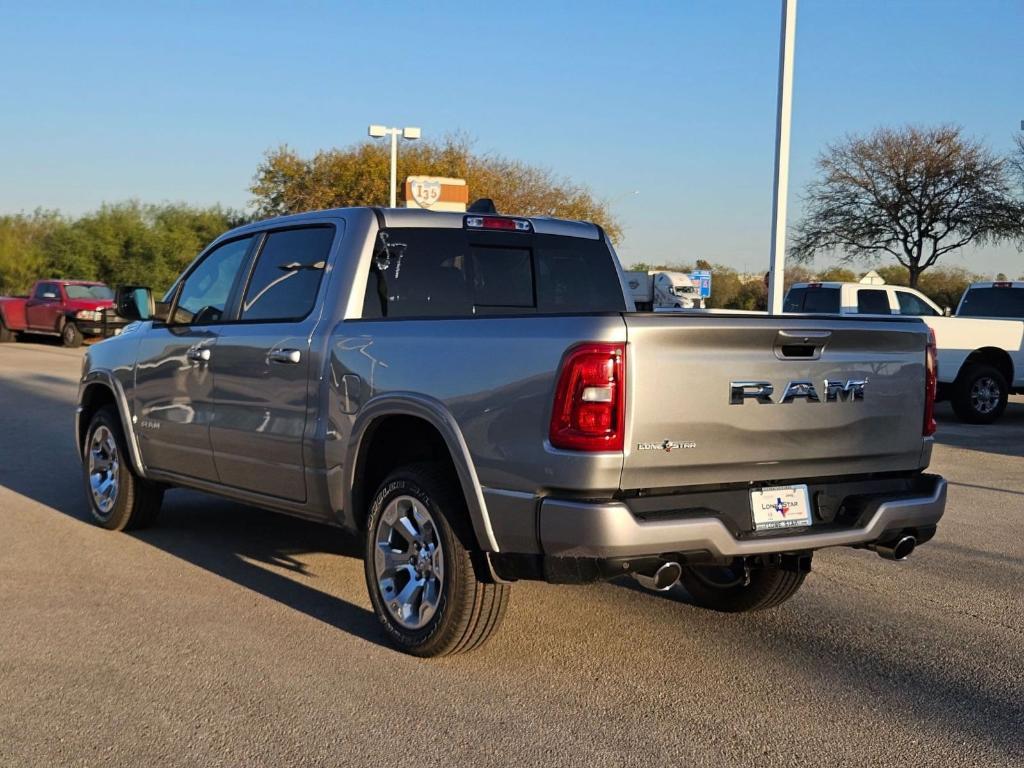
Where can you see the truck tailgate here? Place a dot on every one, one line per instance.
(683, 428)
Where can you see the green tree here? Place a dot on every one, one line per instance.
(359, 175)
(24, 241)
(916, 194)
(837, 275)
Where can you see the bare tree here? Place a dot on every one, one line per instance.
(913, 193)
(1017, 160)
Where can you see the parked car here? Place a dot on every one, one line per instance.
(70, 309)
(981, 360)
(477, 398)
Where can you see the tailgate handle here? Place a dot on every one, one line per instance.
(800, 344)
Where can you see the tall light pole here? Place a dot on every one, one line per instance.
(777, 271)
(379, 132)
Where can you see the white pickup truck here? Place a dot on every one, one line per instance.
(981, 348)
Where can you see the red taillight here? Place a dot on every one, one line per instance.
(1002, 284)
(931, 383)
(590, 399)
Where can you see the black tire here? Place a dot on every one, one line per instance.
(979, 394)
(135, 502)
(468, 611)
(6, 334)
(723, 589)
(70, 336)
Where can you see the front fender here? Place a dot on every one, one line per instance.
(103, 378)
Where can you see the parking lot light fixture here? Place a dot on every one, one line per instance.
(409, 133)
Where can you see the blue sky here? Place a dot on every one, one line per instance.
(178, 101)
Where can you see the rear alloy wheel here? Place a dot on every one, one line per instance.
(6, 334)
(118, 499)
(418, 565)
(71, 336)
(734, 589)
(980, 394)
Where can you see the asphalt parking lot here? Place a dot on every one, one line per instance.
(231, 636)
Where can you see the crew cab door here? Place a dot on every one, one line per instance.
(43, 309)
(261, 369)
(173, 393)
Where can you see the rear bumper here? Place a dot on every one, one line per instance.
(610, 530)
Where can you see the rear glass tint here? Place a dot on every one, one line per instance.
(812, 299)
(455, 273)
(992, 302)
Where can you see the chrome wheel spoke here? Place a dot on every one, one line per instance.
(390, 560)
(408, 530)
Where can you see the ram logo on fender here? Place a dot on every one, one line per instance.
(762, 391)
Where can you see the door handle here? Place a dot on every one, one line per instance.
(290, 356)
(198, 354)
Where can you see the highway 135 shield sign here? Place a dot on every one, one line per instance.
(425, 192)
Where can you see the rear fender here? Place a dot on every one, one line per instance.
(433, 412)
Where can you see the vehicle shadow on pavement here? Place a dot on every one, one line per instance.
(244, 545)
(1005, 437)
(239, 543)
(903, 682)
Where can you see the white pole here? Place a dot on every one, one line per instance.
(777, 272)
(394, 166)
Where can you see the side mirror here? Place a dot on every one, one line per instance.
(135, 302)
(947, 312)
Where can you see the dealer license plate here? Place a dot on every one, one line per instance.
(780, 506)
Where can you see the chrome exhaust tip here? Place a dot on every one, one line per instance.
(896, 549)
(663, 579)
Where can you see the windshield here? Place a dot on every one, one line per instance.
(88, 292)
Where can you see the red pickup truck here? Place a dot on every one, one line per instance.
(71, 309)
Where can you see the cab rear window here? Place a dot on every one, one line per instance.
(813, 299)
(423, 272)
(992, 302)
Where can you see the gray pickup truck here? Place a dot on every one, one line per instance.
(475, 396)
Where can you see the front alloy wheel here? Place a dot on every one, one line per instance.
(103, 467)
(71, 336)
(118, 498)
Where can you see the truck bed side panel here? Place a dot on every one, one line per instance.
(12, 310)
(495, 375)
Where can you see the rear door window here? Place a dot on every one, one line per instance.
(454, 273)
(992, 302)
(286, 278)
(873, 302)
(913, 305)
